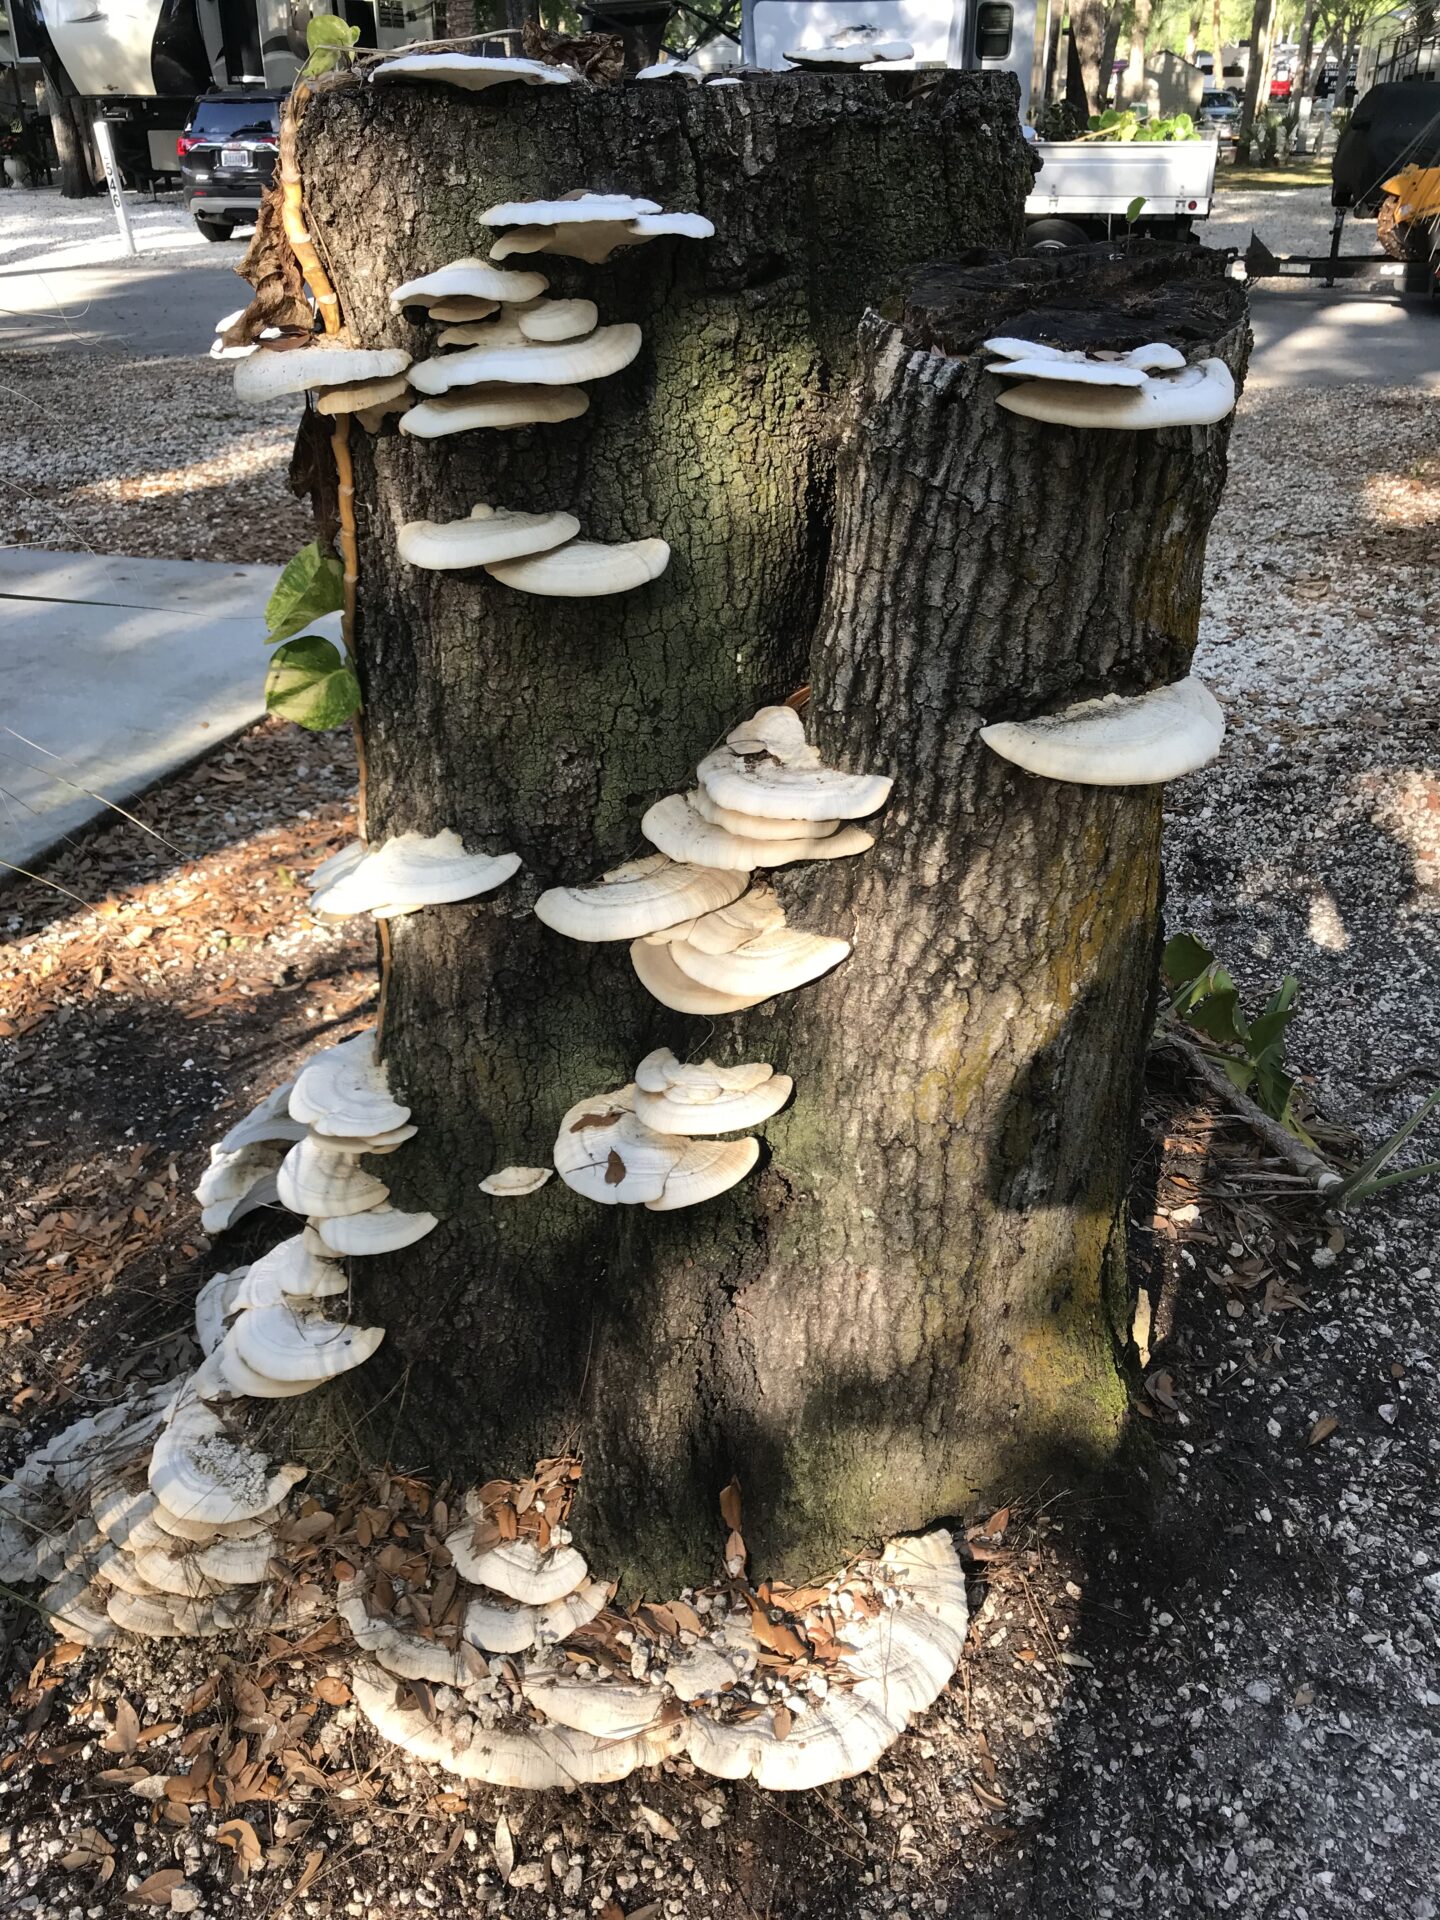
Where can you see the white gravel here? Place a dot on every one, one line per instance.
(39, 229)
(1287, 219)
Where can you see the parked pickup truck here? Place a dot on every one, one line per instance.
(1084, 188)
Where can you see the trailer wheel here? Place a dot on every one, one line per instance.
(1401, 239)
(1054, 236)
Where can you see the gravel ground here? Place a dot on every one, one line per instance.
(154, 458)
(39, 229)
(1213, 1689)
(1287, 219)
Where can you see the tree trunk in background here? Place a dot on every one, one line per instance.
(1218, 35)
(1135, 66)
(76, 180)
(1261, 21)
(1087, 29)
(1113, 23)
(900, 1311)
(1192, 33)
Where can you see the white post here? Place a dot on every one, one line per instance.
(105, 148)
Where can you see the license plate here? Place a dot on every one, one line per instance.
(234, 156)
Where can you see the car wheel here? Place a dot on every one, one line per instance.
(214, 229)
(1054, 236)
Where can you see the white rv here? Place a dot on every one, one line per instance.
(993, 35)
(140, 64)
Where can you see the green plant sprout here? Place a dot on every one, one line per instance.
(1204, 997)
(310, 681)
(329, 42)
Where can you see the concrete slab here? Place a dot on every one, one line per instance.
(116, 673)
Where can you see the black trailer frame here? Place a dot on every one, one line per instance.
(1360, 272)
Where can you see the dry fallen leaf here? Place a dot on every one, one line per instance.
(156, 1891)
(313, 1862)
(730, 1511)
(1322, 1429)
(125, 1735)
(662, 1828)
(504, 1849)
(240, 1835)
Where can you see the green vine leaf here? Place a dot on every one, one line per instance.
(312, 683)
(311, 584)
(329, 41)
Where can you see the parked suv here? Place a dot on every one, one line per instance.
(227, 156)
(1220, 109)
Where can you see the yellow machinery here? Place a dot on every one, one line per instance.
(1409, 213)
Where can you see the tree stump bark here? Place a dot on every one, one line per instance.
(900, 1311)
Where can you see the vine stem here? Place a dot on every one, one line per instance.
(350, 562)
(302, 245)
(292, 211)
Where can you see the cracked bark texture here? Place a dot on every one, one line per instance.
(899, 1313)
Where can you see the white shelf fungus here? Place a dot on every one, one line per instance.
(474, 72)
(1118, 742)
(540, 1759)
(517, 1569)
(551, 320)
(490, 534)
(281, 1344)
(1149, 388)
(671, 70)
(467, 279)
(587, 226)
(471, 408)
(379, 1230)
(849, 48)
(270, 1120)
(735, 958)
(585, 569)
(236, 1183)
(346, 1090)
(605, 1152)
(412, 871)
(563, 363)
(271, 374)
(675, 826)
(364, 396)
(758, 783)
(641, 897)
(705, 1099)
(515, 1183)
(201, 1472)
(316, 1179)
(773, 962)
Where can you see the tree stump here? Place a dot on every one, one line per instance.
(900, 1311)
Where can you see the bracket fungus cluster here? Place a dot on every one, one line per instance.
(587, 226)
(1147, 388)
(1116, 741)
(704, 940)
(540, 1682)
(407, 873)
(511, 357)
(533, 552)
(606, 1152)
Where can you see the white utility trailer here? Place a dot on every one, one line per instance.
(1085, 187)
(990, 35)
